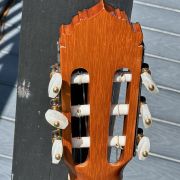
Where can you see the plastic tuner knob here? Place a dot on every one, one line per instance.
(56, 119)
(147, 79)
(55, 85)
(143, 148)
(57, 151)
(145, 113)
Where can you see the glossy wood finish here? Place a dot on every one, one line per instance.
(100, 40)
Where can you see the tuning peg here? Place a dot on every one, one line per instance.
(57, 147)
(145, 113)
(147, 79)
(55, 85)
(57, 151)
(143, 147)
(56, 119)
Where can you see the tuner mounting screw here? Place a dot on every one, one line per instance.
(56, 124)
(151, 87)
(55, 89)
(145, 154)
(148, 121)
(58, 156)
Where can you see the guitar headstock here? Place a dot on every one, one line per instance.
(98, 49)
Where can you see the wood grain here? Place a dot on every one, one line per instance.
(88, 42)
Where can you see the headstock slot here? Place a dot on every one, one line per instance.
(122, 78)
(79, 125)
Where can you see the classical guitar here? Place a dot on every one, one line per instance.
(100, 52)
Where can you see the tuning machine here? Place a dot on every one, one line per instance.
(147, 79)
(55, 81)
(53, 116)
(57, 147)
(145, 113)
(143, 147)
(56, 119)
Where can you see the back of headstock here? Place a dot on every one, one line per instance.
(94, 49)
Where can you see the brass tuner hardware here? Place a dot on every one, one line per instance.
(58, 156)
(55, 89)
(57, 107)
(148, 121)
(56, 124)
(151, 87)
(145, 153)
(55, 104)
(56, 135)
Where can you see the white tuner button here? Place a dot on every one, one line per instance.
(56, 119)
(147, 79)
(57, 151)
(55, 85)
(145, 113)
(143, 148)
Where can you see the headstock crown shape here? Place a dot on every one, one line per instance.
(100, 40)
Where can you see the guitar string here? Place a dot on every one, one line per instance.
(80, 120)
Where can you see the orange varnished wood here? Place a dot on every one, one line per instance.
(100, 40)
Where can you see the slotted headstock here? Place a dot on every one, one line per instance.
(100, 41)
(99, 51)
